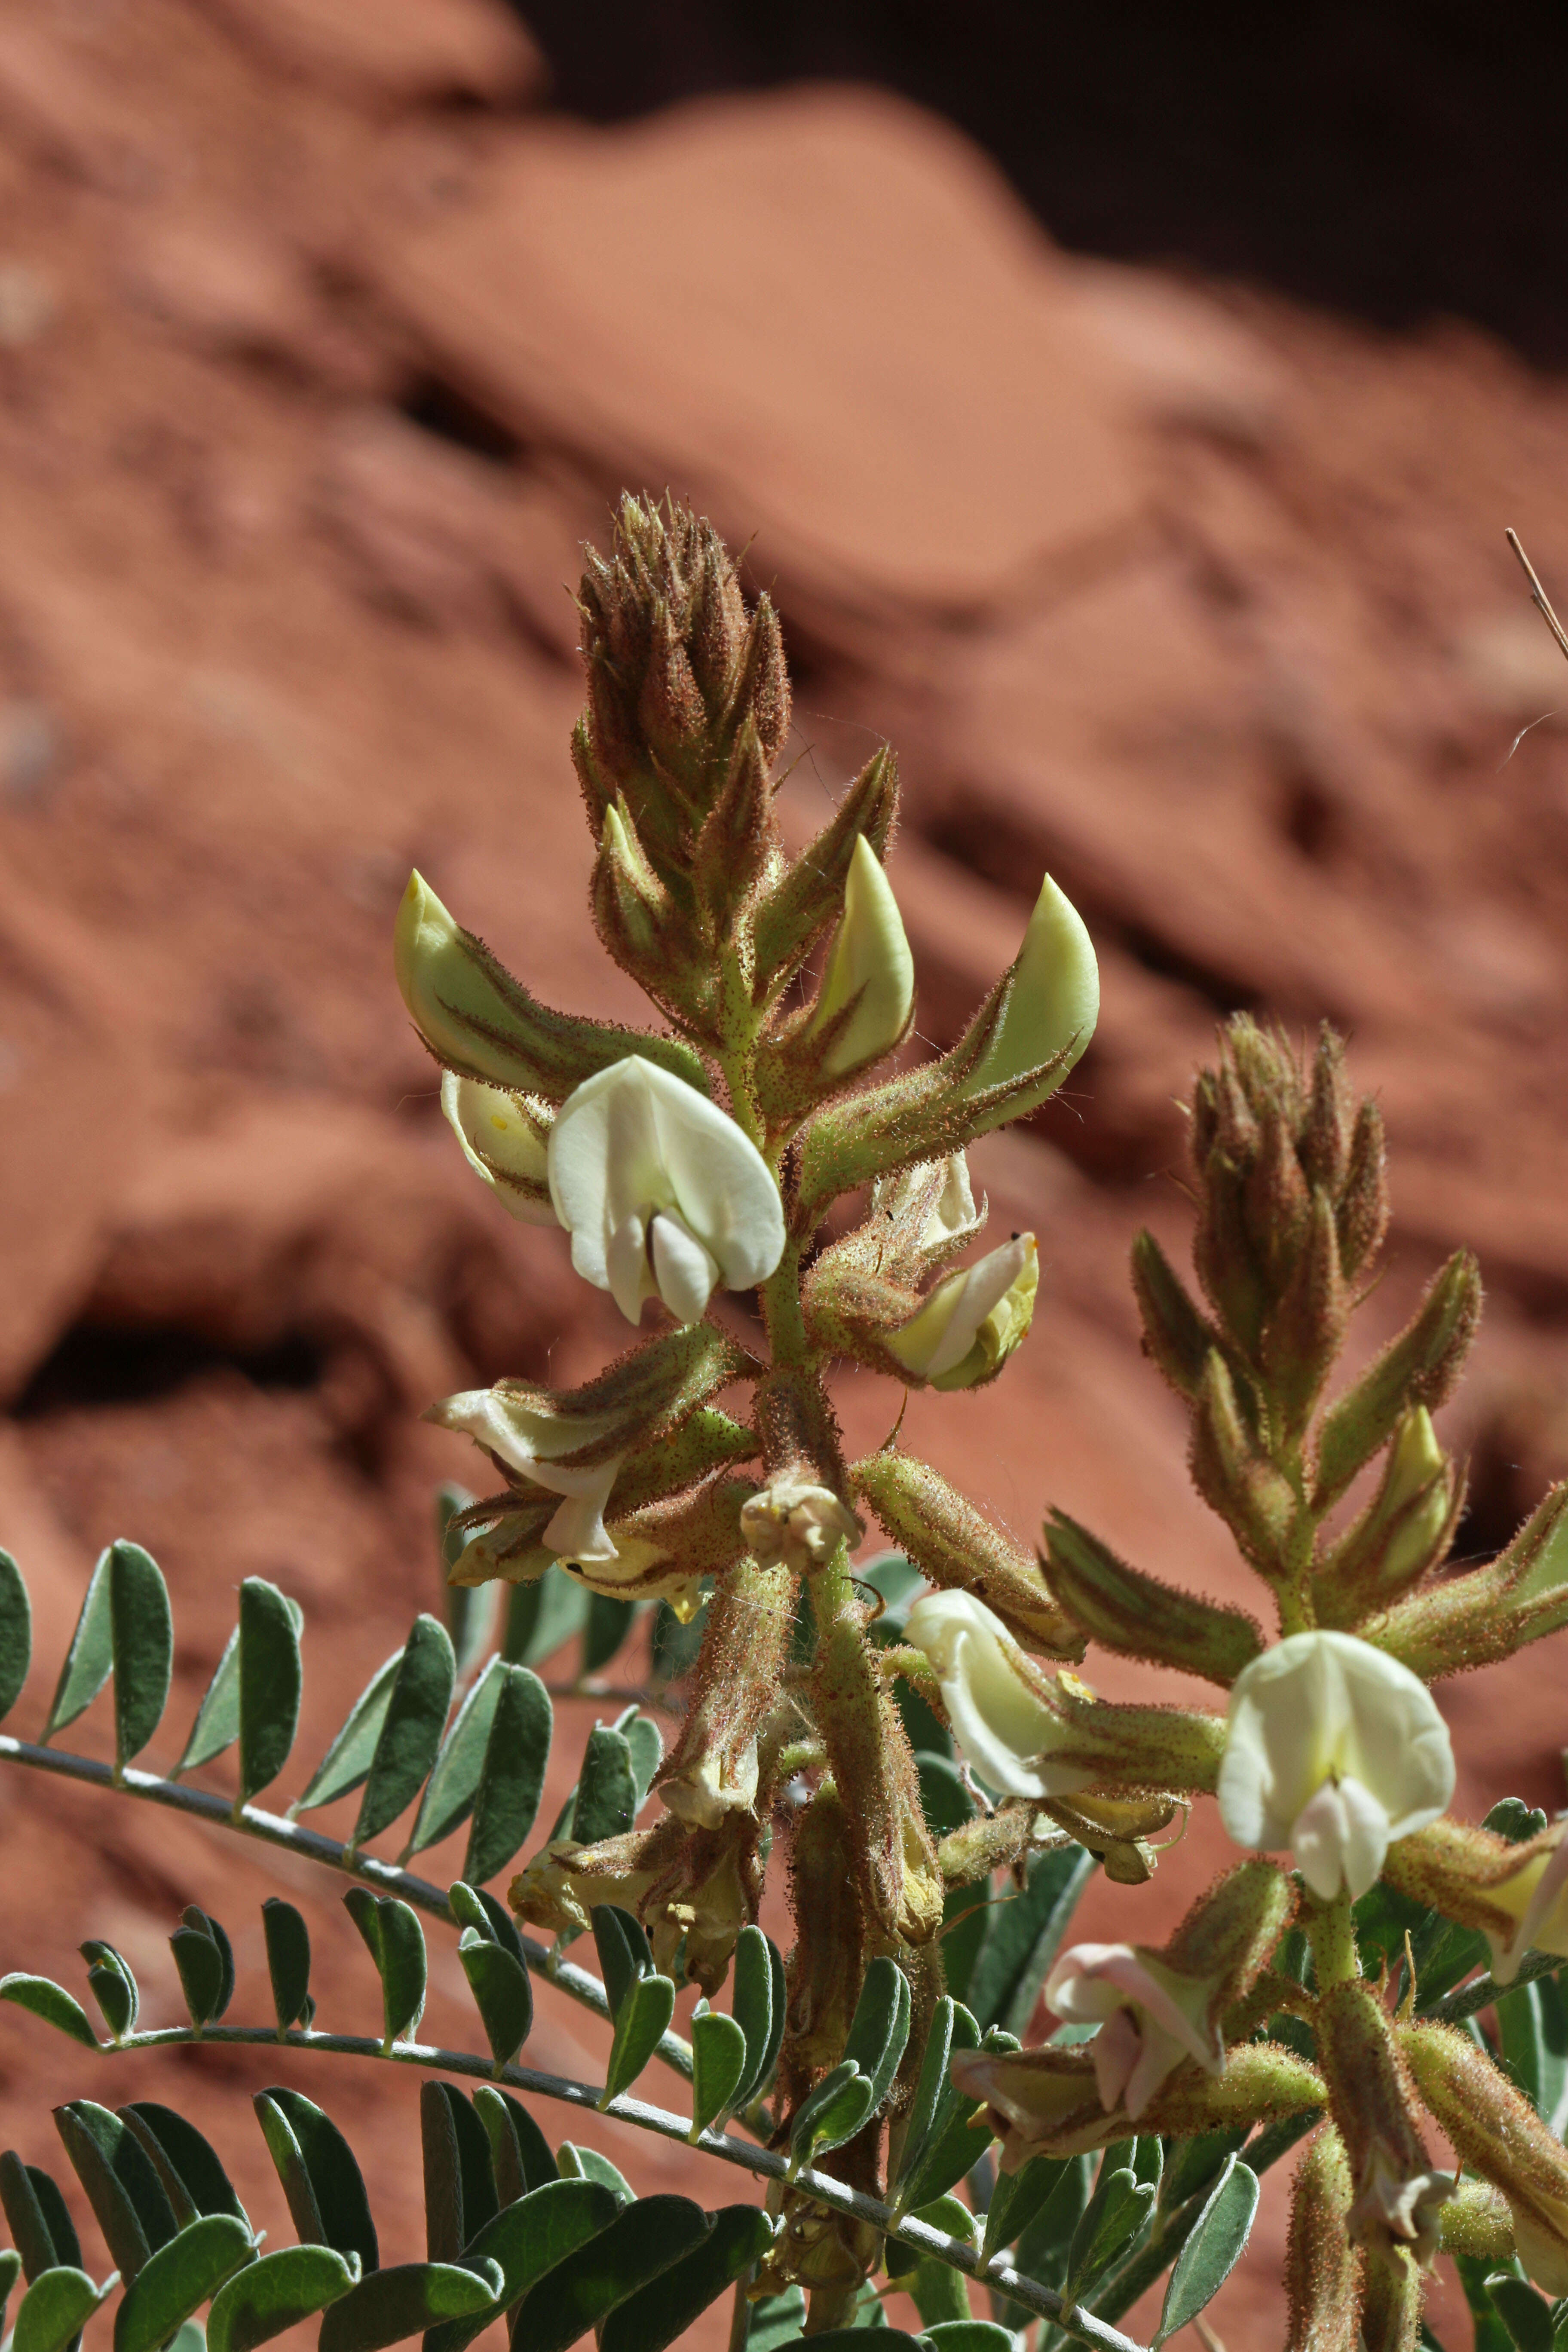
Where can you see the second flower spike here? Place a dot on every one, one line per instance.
(662, 1195)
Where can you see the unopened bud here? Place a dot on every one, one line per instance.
(954, 1545)
(1403, 1531)
(1487, 1613)
(1235, 1477)
(1140, 1616)
(1420, 1367)
(887, 1846)
(807, 897)
(745, 1645)
(1517, 1895)
(1177, 1337)
(1050, 1006)
(868, 984)
(1399, 2194)
(1321, 2265)
(504, 1137)
(972, 1322)
(1498, 2134)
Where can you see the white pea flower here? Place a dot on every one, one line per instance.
(797, 1521)
(870, 959)
(998, 1702)
(504, 1138)
(1334, 1749)
(662, 1195)
(972, 1322)
(1149, 2017)
(1537, 1897)
(532, 1441)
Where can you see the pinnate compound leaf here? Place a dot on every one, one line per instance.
(1024, 1938)
(411, 1729)
(276, 2293)
(348, 1760)
(322, 2180)
(194, 2178)
(606, 1802)
(519, 2153)
(178, 2279)
(661, 2312)
(288, 1943)
(527, 2239)
(511, 1776)
(395, 1942)
(44, 1999)
(57, 2307)
(641, 2026)
(459, 2188)
(270, 1680)
(718, 2062)
(502, 1993)
(128, 2199)
(405, 2301)
(15, 1633)
(142, 1637)
(90, 1657)
(646, 2239)
(1213, 2249)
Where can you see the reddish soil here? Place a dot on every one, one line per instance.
(318, 354)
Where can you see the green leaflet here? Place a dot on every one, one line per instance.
(751, 1984)
(405, 2301)
(624, 1952)
(112, 1986)
(541, 1615)
(127, 2197)
(609, 1623)
(10, 2272)
(952, 2143)
(718, 2062)
(831, 2112)
(194, 2180)
(661, 2313)
(519, 2153)
(607, 1789)
(930, 2086)
(1024, 1938)
(640, 2026)
(1525, 2313)
(270, 1679)
(322, 2180)
(969, 2335)
(348, 1760)
(288, 1943)
(502, 1993)
(57, 2307)
(90, 1657)
(44, 1999)
(411, 1728)
(643, 1736)
(528, 2239)
(1213, 2249)
(778, 2319)
(216, 1725)
(460, 2186)
(587, 2164)
(276, 2293)
(644, 2240)
(395, 1942)
(15, 1633)
(204, 1961)
(449, 1798)
(178, 2279)
(36, 2215)
(141, 1638)
(881, 2026)
(512, 1776)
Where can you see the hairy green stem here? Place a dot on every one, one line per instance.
(770, 2164)
(1330, 1931)
(579, 1984)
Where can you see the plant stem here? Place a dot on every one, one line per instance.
(1331, 1930)
(579, 1984)
(821, 2187)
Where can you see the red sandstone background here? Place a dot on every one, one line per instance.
(323, 342)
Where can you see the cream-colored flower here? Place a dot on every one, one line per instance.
(1334, 1749)
(1394, 2204)
(662, 1195)
(796, 1521)
(997, 1701)
(1054, 1001)
(505, 1139)
(532, 1441)
(1149, 2017)
(869, 961)
(1537, 1897)
(967, 1329)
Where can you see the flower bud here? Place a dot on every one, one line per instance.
(1334, 1750)
(1155, 2009)
(481, 1022)
(1398, 2193)
(1140, 1616)
(504, 1138)
(1420, 1366)
(745, 1645)
(1321, 2263)
(640, 923)
(808, 896)
(1498, 2134)
(663, 1195)
(1050, 1006)
(1403, 1531)
(1516, 1894)
(1235, 1477)
(970, 1325)
(868, 993)
(1490, 1613)
(1034, 1735)
(955, 1546)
